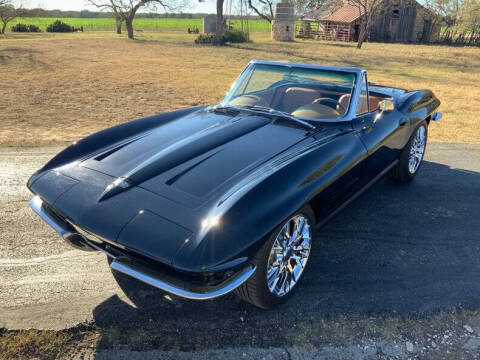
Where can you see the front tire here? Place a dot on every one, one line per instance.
(281, 261)
(411, 156)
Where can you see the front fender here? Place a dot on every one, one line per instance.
(243, 228)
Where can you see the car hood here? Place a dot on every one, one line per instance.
(178, 171)
(195, 156)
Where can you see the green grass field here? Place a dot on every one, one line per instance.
(106, 24)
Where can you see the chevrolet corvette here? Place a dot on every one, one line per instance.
(204, 201)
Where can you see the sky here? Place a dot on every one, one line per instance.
(207, 6)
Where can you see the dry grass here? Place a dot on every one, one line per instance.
(87, 341)
(60, 88)
(42, 344)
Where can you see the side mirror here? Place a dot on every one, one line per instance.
(386, 105)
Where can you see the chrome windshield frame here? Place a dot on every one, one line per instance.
(349, 116)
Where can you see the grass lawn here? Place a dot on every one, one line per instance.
(108, 24)
(59, 88)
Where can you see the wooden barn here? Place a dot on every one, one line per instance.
(341, 25)
(403, 21)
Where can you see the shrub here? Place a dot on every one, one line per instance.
(25, 28)
(205, 39)
(20, 28)
(34, 28)
(60, 26)
(234, 36)
(228, 36)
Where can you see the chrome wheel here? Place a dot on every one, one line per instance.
(417, 150)
(289, 255)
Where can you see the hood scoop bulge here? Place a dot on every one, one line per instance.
(116, 187)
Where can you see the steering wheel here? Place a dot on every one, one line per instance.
(331, 101)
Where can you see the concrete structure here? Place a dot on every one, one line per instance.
(209, 24)
(283, 23)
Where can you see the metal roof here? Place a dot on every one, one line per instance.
(347, 14)
(322, 11)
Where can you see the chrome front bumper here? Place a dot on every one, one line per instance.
(137, 270)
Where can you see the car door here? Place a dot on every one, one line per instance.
(382, 132)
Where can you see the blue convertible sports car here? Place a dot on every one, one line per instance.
(212, 199)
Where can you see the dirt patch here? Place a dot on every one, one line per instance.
(25, 58)
(4, 58)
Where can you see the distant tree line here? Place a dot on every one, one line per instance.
(460, 20)
(87, 14)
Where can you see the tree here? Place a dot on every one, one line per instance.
(125, 10)
(460, 19)
(446, 12)
(470, 20)
(110, 6)
(9, 10)
(118, 17)
(322, 7)
(219, 26)
(263, 8)
(368, 9)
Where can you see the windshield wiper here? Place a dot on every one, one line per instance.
(228, 110)
(281, 114)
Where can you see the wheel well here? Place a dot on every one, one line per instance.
(316, 205)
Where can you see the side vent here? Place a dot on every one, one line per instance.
(107, 153)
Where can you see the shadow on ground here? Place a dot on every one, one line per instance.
(401, 249)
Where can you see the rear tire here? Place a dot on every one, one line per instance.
(266, 291)
(411, 157)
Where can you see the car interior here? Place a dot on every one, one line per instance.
(311, 101)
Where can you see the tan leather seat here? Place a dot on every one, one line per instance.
(316, 111)
(344, 100)
(296, 97)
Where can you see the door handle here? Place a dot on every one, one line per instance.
(367, 127)
(402, 122)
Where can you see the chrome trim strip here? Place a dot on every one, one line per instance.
(355, 94)
(36, 204)
(238, 280)
(307, 66)
(91, 244)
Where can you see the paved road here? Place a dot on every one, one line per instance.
(400, 249)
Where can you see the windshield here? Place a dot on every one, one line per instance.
(300, 92)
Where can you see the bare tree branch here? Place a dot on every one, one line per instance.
(368, 9)
(110, 6)
(266, 12)
(9, 10)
